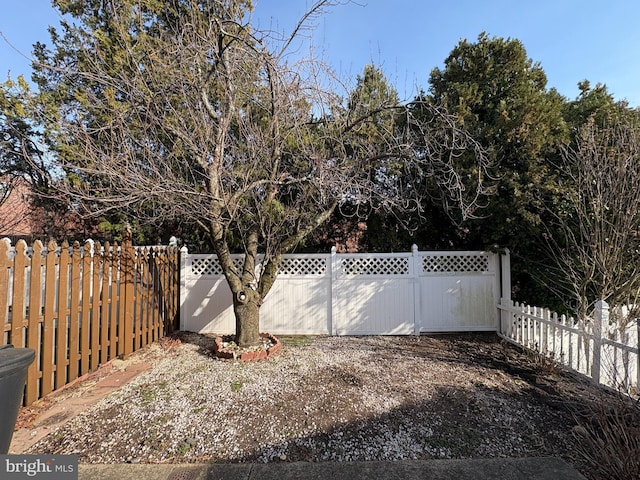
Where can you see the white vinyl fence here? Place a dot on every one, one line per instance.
(603, 347)
(354, 294)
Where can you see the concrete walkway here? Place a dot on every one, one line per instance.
(540, 468)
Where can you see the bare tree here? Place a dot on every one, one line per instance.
(188, 112)
(596, 239)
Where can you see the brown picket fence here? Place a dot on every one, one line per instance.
(80, 307)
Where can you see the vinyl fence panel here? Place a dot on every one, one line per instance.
(353, 294)
(374, 294)
(459, 291)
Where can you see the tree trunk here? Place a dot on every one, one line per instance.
(247, 312)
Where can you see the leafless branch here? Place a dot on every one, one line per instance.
(208, 124)
(595, 232)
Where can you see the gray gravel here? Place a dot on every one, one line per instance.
(333, 398)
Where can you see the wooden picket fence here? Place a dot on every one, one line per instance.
(79, 306)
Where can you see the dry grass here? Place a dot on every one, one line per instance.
(608, 435)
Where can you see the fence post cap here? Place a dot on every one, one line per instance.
(414, 248)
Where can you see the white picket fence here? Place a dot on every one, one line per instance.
(354, 294)
(603, 346)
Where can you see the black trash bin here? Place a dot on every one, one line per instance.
(14, 363)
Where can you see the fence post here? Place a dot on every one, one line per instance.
(50, 331)
(505, 292)
(5, 265)
(600, 318)
(173, 275)
(19, 291)
(415, 270)
(74, 313)
(33, 319)
(94, 306)
(184, 251)
(637, 356)
(333, 262)
(91, 244)
(63, 353)
(128, 259)
(106, 350)
(85, 326)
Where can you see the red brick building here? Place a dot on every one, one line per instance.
(16, 215)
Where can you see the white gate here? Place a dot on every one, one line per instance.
(459, 291)
(354, 294)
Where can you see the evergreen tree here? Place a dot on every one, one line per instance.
(501, 97)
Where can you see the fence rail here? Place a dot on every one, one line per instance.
(81, 306)
(602, 347)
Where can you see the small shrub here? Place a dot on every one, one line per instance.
(183, 449)
(608, 436)
(546, 362)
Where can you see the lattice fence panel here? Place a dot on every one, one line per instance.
(303, 266)
(210, 266)
(375, 266)
(455, 263)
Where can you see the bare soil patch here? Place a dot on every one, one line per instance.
(334, 399)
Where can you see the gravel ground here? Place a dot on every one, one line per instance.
(333, 399)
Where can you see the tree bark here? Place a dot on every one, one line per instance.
(246, 306)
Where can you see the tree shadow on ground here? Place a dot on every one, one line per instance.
(517, 405)
(514, 404)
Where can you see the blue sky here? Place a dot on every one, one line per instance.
(573, 40)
